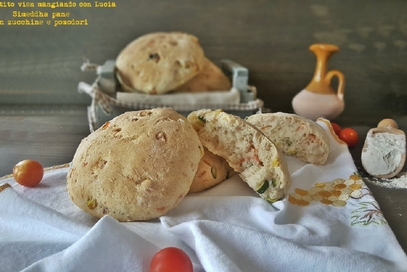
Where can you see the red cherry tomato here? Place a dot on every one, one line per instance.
(349, 136)
(337, 128)
(28, 173)
(171, 259)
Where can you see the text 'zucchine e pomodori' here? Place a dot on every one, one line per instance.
(39, 14)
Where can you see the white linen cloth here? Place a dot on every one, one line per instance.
(217, 98)
(226, 228)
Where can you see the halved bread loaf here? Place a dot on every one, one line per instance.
(248, 151)
(294, 135)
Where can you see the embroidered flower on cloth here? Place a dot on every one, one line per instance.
(337, 193)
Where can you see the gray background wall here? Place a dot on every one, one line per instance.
(40, 65)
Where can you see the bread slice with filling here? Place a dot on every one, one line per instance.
(247, 150)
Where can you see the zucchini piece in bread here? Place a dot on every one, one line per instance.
(212, 170)
(247, 150)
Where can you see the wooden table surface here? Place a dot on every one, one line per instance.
(53, 138)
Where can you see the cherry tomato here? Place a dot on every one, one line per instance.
(28, 173)
(337, 128)
(171, 259)
(349, 136)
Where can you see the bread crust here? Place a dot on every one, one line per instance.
(159, 62)
(294, 135)
(248, 151)
(212, 170)
(131, 167)
(211, 78)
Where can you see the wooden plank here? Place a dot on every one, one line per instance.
(271, 38)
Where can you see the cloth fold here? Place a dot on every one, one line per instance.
(329, 221)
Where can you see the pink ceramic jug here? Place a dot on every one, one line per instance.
(318, 99)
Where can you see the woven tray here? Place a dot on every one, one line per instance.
(106, 89)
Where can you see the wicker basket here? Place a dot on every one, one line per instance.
(107, 95)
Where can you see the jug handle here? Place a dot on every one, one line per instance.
(341, 81)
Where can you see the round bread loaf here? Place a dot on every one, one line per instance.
(211, 78)
(131, 168)
(157, 63)
(212, 170)
(294, 135)
(248, 151)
